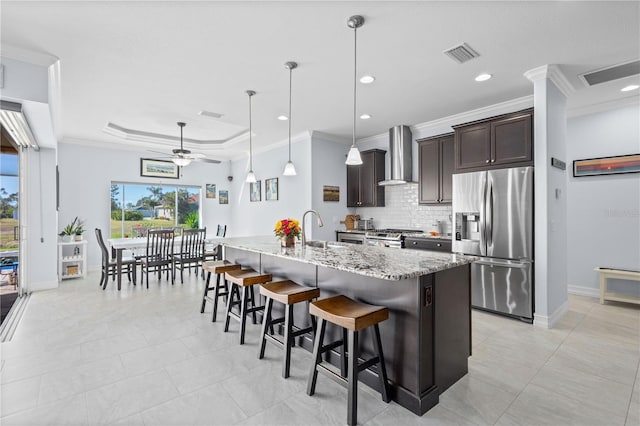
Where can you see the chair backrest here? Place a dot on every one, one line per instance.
(192, 243)
(160, 244)
(222, 231)
(103, 247)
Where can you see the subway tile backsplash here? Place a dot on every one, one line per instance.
(403, 211)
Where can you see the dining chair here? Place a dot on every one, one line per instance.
(109, 265)
(191, 252)
(158, 256)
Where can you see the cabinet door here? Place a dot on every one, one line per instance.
(367, 180)
(353, 186)
(446, 169)
(511, 140)
(473, 146)
(428, 159)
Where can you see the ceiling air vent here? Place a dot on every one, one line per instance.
(611, 73)
(461, 53)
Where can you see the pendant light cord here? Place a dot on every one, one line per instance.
(290, 77)
(355, 79)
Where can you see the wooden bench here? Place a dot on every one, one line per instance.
(606, 273)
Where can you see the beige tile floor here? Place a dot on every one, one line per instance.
(148, 357)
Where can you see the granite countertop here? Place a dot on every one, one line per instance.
(377, 262)
(426, 236)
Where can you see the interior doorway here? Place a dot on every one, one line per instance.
(9, 224)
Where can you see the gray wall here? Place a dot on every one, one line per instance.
(603, 212)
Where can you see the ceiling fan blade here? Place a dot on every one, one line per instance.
(193, 155)
(207, 160)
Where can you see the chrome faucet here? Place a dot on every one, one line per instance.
(320, 224)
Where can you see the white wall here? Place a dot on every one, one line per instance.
(86, 174)
(259, 217)
(328, 168)
(24, 81)
(603, 211)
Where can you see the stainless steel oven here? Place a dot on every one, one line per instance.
(384, 238)
(351, 237)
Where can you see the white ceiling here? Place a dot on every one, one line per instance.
(146, 65)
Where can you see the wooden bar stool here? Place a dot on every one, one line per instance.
(288, 293)
(243, 279)
(218, 267)
(352, 316)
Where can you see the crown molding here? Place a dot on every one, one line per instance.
(477, 114)
(551, 72)
(604, 106)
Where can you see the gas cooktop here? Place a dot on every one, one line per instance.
(390, 233)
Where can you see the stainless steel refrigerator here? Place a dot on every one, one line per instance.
(493, 219)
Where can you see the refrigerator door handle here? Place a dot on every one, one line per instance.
(503, 264)
(483, 216)
(490, 215)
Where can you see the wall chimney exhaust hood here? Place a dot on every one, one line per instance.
(400, 141)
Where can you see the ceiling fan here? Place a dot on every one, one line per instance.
(184, 157)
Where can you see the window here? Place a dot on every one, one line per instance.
(137, 207)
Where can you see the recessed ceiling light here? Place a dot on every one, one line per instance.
(483, 77)
(367, 79)
(365, 116)
(283, 118)
(629, 88)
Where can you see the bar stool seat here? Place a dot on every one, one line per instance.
(218, 267)
(353, 317)
(241, 293)
(288, 293)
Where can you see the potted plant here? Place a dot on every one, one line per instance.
(72, 231)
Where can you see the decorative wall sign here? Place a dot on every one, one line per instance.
(558, 164)
(159, 168)
(255, 191)
(607, 165)
(271, 189)
(211, 190)
(224, 197)
(330, 193)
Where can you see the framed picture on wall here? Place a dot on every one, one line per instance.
(211, 190)
(159, 168)
(255, 191)
(330, 193)
(607, 165)
(271, 189)
(224, 197)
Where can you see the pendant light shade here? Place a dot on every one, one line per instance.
(251, 177)
(355, 22)
(289, 168)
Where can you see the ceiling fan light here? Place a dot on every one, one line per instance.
(181, 161)
(353, 158)
(251, 177)
(289, 169)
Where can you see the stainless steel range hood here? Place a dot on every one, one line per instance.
(400, 141)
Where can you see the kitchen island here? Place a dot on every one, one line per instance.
(427, 338)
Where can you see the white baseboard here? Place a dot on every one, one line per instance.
(42, 285)
(584, 291)
(549, 321)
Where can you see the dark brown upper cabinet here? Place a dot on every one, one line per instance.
(435, 162)
(497, 142)
(362, 181)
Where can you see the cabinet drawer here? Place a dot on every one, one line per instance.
(427, 244)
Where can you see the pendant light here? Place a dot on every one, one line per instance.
(179, 159)
(251, 177)
(355, 22)
(290, 169)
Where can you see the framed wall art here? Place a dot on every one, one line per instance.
(607, 165)
(255, 191)
(159, 169)
(224, 197)
(211, 190)
(271, 189)
(330, 193)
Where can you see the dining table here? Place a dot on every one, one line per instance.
(118, 245)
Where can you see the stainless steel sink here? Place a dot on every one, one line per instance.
(324, 244)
